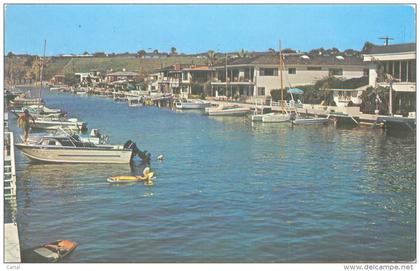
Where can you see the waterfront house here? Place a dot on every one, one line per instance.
(398, 60)
(57, 79)
(165, 80)
(258, 75)
(122, 76)
(394, 64)
(196, 80)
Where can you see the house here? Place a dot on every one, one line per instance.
(395, 66)
(57, 79)
(256, 76)
(195, 78)
(122, 76)
(397, 60)
(89, 78)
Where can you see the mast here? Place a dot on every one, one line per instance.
(226, 74)
(41, 73)
(281, 74)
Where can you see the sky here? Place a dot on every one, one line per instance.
(198, 28)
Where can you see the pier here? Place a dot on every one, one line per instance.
(11, 235)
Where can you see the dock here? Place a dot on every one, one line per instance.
(11, 233)
(11, 243)
(314, 110)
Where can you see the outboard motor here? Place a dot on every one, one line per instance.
(144, 156)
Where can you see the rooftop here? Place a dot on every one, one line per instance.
(123, 73)
(392, 49)
(294, 59)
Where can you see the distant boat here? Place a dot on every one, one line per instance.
(228, 110)
(276, 118)
(55, 123)
(191, 104)
(51, 252)
(39, 111)
(310, 121)
(23, 101)
(135, 101)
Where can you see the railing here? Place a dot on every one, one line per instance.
(9, 166)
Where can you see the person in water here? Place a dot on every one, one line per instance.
(24, 123)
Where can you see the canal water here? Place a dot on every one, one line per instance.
(227, 191)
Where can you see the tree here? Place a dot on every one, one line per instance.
(173, 51)
(332, 51)
(242, 53)
(367, 47)
(156, 52)
(10, 54)
(99, 54)
(69, 79)
(211, 57)
(85, 53)
(141, 53)
(288, 51)
(317, 52)
(271, 50)
(351, 52)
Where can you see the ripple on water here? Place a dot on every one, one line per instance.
(227, 191)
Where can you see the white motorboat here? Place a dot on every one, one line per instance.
(39, 111)
(191, 104)
(228, 110)
(94, 136)
(276, 118)
(135, 101)
(19, 101)
(56, 123)
(70, 149)
(310, 121)
(45, 109)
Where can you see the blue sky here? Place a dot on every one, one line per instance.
(199, 28)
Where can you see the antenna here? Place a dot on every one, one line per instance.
(386, 40)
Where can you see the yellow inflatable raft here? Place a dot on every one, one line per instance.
(147, 178)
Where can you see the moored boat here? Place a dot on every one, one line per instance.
(42, 123)
(310, 121)
(191, 104)
(50, 252)
(228, 110)
(276, 118)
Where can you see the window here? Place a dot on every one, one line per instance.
(292, 70)
(261, 91)
(334, 72)
(269, 72)
(314, 68)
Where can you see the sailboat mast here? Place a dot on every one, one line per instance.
(41, 73)
(281, 74)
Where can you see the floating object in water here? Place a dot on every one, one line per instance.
(160, 157)
(50, 252)
(148, 178)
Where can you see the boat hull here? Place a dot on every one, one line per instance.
(191, 105)
(316, 121)
(275, 118)
(54, 125)
(58, 154)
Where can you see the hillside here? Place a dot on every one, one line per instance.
(27, 67)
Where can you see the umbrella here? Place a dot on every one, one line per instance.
(295, 91)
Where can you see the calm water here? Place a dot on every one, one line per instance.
(227, 191)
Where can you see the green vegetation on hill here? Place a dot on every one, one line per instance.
(27, 67)
(104, 64)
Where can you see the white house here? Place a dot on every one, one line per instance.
(257, 76)
(398, 60)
